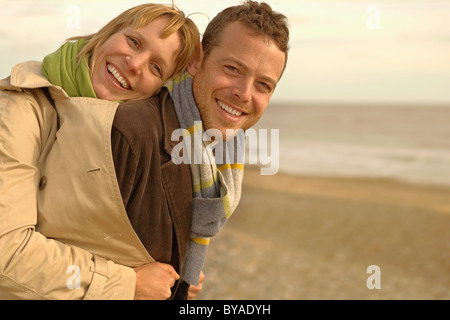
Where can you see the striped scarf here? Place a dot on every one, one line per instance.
(216, 188)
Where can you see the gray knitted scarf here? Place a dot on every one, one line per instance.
(216, 183)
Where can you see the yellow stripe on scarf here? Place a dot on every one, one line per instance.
(203, 241)
(205, 184)
(231, 166)
(210, 182)
(184, 76)
(195, 128)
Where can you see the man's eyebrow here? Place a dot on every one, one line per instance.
(235, 61)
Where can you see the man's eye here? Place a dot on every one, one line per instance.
(232, 69)
(265, 87)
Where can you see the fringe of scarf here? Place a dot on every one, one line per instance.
(217, 189)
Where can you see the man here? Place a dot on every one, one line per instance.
(176, 208)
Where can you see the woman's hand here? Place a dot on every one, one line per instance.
(154, 280)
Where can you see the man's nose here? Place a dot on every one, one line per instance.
(243, 90)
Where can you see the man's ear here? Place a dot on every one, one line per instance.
(196, 61)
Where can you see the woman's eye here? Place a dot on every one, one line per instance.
(133, 41)
(157, 69)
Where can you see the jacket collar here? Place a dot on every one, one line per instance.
(28, 75)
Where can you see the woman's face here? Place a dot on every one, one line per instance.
(133, 64)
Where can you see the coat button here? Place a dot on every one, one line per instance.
(42, 182)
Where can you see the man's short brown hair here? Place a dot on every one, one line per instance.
(259, 17)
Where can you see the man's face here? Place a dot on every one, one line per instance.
(234, 83)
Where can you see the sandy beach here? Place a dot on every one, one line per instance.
(295, 237)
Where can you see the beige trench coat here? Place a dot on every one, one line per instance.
(49, 178)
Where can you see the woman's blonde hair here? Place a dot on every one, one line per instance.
(140, 16)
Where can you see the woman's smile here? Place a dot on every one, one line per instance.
(117, 76)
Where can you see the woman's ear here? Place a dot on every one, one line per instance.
(196, 61)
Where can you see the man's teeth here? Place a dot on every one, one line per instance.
(229, 109)
(117, 75)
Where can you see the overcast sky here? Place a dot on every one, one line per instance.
(341, 51)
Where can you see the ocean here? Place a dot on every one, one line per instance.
(402, 142)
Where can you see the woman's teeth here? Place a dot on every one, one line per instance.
(118, 77)
(229, 109)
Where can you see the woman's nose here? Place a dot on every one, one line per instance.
(135, 63)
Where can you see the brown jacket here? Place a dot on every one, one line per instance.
(157, 193)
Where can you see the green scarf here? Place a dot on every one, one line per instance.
(62, 69)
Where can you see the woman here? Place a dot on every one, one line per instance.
(55, 144)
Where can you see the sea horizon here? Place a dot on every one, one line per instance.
(407, 142)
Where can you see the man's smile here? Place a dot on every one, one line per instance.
(229, 109)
